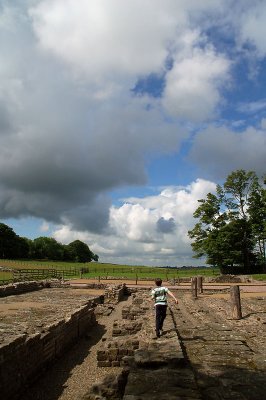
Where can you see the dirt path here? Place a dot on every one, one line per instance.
(77, 371)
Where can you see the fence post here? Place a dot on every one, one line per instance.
(235, 302)
(194, 287)
(136, 279)
(199, 284)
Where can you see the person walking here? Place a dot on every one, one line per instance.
(159, 295)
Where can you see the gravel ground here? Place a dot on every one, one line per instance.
(72, 376)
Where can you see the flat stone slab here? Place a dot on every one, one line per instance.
(161, 352)
(163, 384)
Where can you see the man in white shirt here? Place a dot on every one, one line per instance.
(159, 295)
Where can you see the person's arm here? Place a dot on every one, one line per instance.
(173, 296)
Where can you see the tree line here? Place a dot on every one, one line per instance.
(12, 246)
(231, 225)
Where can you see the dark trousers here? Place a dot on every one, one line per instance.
(160, 314)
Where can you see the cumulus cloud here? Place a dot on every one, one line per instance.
(70, 129)
(150, 230)
(219, 150)
(115, 37)
(192, 85)
(61, 149)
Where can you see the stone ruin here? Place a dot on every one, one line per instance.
(146, 362)
(25, 354)
(146, 368)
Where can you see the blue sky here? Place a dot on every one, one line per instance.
(116, 117)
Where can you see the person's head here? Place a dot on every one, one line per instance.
(158, 281)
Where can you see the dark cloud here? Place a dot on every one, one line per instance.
(218, 150)
(61, 148)
(166, 225)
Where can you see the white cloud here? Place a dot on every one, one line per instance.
(193, 84)
(114, 40)
(104, 39)
(253, 26)
(253, 107)
(134, 234)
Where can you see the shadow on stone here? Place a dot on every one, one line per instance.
(60, 371)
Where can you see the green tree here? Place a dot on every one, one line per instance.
(47, 248)
(23, 247)
(228, 220)
(8, 242)
(257, 213)
(80, 251)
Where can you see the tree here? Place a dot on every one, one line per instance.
(13, 246)
(80, 251)
(8, 242)
(257, 212)
(47, 248)
(23, 247)
(231, 222)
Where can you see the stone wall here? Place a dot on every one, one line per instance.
(115, 351)
(21, 287)
(115, 293)
(23, 359)
(123, 328)
(133, 312)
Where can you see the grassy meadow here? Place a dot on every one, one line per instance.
(105, 270)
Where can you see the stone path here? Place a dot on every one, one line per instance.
(160, 370)
(222, 354)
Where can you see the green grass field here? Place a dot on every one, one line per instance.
(103, 270)
(96, 270)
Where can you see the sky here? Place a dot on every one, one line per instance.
(117, 116)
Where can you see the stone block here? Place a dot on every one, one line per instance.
(104, 364)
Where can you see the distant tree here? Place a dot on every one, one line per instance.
(231, 223)
(13, 246)
(47, 248)
(23, 248)
(8, 242)
(80, 251)
(95, 257)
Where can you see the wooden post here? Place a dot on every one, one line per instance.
(199, 284)
(99, 279)
(194, 287)
(136, 279)
(235, 302)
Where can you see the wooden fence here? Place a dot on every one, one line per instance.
(45, 273)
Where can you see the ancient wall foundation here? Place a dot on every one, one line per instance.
(23, 359)
(21, 287)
